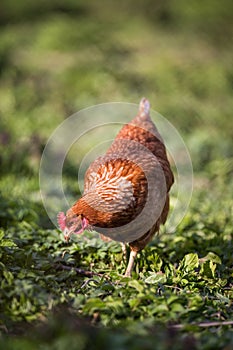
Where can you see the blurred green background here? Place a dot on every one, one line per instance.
(57, 57)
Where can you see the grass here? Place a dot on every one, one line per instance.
(58, 59)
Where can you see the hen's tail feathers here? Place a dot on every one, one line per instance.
(144, 107)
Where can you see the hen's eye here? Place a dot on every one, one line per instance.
(70, 223)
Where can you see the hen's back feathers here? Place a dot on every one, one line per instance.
(142, 130)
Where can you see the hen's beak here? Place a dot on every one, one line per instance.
(67, 233)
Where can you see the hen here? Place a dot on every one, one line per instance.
(126, 191)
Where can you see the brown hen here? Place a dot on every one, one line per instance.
(126, 192)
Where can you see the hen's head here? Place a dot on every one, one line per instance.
(71, 223)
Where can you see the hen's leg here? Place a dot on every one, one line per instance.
(124, 251)
(130, 266)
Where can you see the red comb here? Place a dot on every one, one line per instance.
(61, 220)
